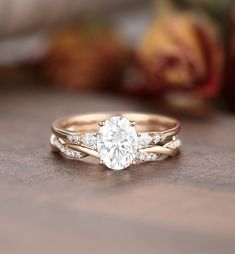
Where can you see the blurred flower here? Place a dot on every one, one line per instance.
(84, 57)
(229, 88)
(181, 59)
(217, 8)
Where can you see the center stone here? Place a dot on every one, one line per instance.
(117, 143)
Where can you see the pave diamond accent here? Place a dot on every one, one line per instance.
(66, 151)
(71, 154)
(156, 138)
(144, 139)
(89, 140)
(147, 156)
(176, 143)
(74, 139)
(117, 143)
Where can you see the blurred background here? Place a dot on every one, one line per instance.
(62, 57)
(177, 55)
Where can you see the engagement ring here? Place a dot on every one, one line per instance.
(117, 140)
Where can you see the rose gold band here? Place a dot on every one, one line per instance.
(162, 133)
(88, 123)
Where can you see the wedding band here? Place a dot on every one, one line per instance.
(117, 140)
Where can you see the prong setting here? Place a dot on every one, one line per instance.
(133, 123)
(101, 123)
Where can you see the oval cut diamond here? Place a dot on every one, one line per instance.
(117, 143)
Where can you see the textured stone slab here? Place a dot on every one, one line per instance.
(52, 205)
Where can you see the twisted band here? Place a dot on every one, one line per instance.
(116, 139)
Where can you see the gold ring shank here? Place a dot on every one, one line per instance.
(161, 131)
(88, 123)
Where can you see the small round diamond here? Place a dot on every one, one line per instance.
(89, 140)
(156, 138)
(142, 156)
(73, 139)
(70, 138)
(147, 156)
(117, 143)
(144, 140)
(67, 153)
(77, 155)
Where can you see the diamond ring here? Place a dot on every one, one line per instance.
(117, 140)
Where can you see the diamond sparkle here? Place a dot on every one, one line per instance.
(156, 138)
(90, 140)
(74, 139)
(144, 140)
(117, 143)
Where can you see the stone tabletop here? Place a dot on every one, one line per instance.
(51, 205)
